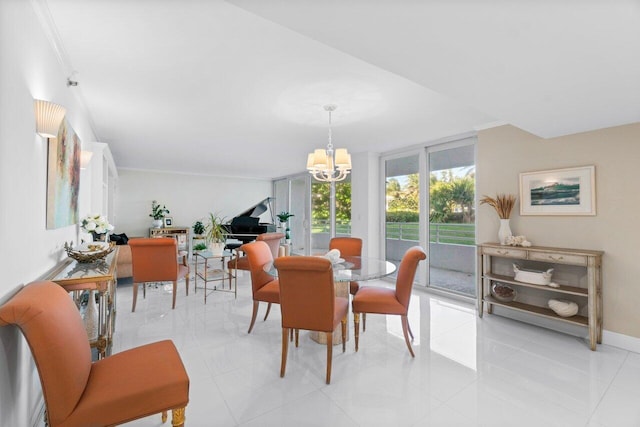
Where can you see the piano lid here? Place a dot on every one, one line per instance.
(258, 209)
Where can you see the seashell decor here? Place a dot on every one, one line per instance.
(563, 307)
(518, 241)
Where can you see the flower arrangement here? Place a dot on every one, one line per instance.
(95, 223)
(503, 204)
(157, 211)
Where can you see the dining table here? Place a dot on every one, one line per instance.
(346, 270)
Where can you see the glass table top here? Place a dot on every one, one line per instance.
(356, 269)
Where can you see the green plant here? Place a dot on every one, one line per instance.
(198, 227)
(157, 211)
(215, 232)
(200, 247)
(284, 216)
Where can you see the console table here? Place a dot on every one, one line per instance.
(577, 271)
(181, 234)
(97, 276)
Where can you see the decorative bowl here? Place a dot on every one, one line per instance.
(503, 292)
(563, 307)
(90, 252)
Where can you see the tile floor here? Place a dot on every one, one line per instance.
(467, 371)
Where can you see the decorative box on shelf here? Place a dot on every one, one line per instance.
(535, 277)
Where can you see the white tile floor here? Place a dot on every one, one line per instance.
(467, 371)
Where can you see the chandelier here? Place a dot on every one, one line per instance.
(329, 165)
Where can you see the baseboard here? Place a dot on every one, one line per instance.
(622, 341)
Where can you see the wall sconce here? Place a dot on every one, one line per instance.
(48, 118)
(85, 158)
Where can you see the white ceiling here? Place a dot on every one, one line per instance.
(237, 87)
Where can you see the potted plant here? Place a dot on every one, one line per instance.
(215, 233)
(157, 213)
(283, 217)
(198, 228)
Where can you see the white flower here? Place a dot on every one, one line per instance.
(95, 223)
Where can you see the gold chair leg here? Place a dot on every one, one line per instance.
(356, 332)
(186, 283)
(405, 327)
(268, 311)
(409, 329)
(175, 291)
(135, 297)
(285, 350)
(344, 333)
(364, 322)
(297, 336)
(329, 355)
(253, 316)
(164, 417)
(177, 417)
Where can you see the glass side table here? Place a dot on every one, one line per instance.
(213, 268)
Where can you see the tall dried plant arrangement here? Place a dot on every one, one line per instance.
(503, 204)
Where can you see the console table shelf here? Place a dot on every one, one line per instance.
(577, 271)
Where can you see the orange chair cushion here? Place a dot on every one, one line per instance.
(370, 299)
(132, 384)
(269, 292)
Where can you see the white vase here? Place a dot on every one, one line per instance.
(157, 223)
(504, 232)
(216, 248)
(91, 317)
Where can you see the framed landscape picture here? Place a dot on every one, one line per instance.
(570, 191)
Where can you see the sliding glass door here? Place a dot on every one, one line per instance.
(402, 206)
(451, 231)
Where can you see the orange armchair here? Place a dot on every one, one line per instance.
(308, 301)
(129, 385)
(264, 286)
(154, 260)
(242, 262)
(371, 299)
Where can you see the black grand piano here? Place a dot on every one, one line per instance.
(246, 226)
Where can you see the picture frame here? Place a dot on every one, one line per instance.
(569, 191)
(168, 221)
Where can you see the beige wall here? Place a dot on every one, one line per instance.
(506, 151)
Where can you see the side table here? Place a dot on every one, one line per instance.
(207, 271)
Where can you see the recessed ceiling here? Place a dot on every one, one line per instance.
(237, 88)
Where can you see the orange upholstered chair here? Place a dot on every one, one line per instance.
(349, 246)
(154, 260)
(132, 384)
(242, 262)
(308, 301)
(264, 286)
(371, 299)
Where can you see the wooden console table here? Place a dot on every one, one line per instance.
(181, 234)
(98, 276)
(577, 271)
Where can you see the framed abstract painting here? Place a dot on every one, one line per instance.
(570, 191)
(63, 178)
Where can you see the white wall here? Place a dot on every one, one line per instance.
(29, 69)
(506, 151)
(188, 197)
(365, 202)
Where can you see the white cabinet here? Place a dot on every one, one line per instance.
(577, 271)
